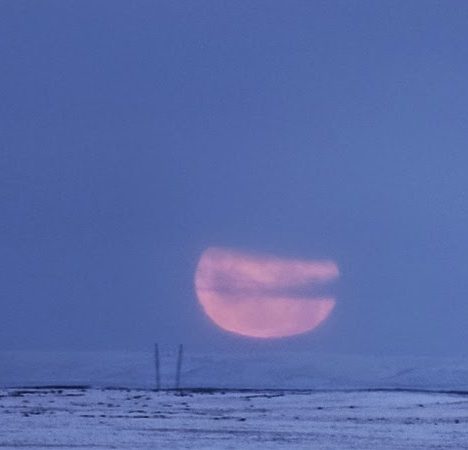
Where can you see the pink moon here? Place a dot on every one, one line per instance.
(256, 295)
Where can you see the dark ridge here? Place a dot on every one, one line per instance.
(426, 391)
(216, 390)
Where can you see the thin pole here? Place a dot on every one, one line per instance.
(179, 366)
(156, 366)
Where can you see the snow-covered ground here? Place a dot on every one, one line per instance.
(142, 419)
(260, 400)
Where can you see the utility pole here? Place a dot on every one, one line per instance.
(157, 367)
(179, 366)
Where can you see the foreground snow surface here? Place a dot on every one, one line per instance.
(143, 419)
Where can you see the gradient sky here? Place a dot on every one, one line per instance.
(135, 134)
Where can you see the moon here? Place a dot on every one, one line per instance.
(262, 296)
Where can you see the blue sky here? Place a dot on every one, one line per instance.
(134, 135)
